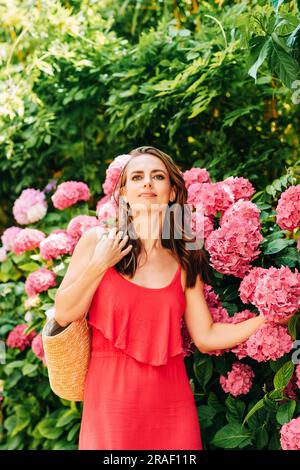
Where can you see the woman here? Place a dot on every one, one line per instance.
(136, 287)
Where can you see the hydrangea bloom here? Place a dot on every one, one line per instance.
(298, 375)
(238, 380)
(102, 201)
(57, 244)
(113, 173)
(202, 225)
(69, 193)
(17, 339)
(187, 343)
(38, 349)
(30, 207)
(109, 210)
(31, 302)
(270, 341)
(240, 187)
(241, 349)
(80, 224)
(288, 208)
(243, 210)
(27, 239)
(290, 435)
(195, 175)
(289, 390)
(211, 196)
(274, 291)
(219, 315)
(9, 236)
(3, 254)
(249, 283)
(233, 247)
(39, 281)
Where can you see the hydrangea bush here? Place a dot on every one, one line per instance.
(247, 396)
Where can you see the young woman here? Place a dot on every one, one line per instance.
(136, 284)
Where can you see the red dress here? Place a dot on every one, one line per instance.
(137, 393)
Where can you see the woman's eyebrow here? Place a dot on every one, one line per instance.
(153, 171)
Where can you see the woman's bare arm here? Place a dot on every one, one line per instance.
(208, 335)
(75, 294)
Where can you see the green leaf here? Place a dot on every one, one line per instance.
(47, 428)
(29, 368)
(260, 404)
(289, 257)
(292, 326)
(31, 266)
(284, 375)
(286, 412)
(206, 415)
(231, 436)
(66, 418)
(235, 409)
(264, 51)
(276, 245)
(261, 438)
(282, 63)
(203, 370)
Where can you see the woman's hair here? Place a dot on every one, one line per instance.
(177, 223)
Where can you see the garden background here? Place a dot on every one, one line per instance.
(216, 85)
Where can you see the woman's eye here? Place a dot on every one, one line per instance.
(137, 176)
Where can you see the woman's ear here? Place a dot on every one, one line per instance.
(173, 195)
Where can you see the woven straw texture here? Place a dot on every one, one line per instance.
(67, 350)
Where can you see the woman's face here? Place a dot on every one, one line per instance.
(147, 173)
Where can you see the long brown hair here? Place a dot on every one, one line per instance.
(193, 261)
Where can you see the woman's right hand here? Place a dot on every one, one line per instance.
(109, 249)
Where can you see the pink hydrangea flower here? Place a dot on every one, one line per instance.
(195, 175)
(102, 201)
(80, 224)
(57, 244)
(241, 349)
(270, 341)
(27, 239)
(298, 375)
(202, 226)
(109, 210)
(211, 196)
(249, 283)
(219, 315)
(39, 281)
(31, 302)
(30, 207)
(3, 254)
(290, 435)
(69, 193)
(277, 293)
(187, 343)
(289, 390)
(9, 236)
(38, 349)
(17, 339)
(239, 380)
(288, 208)
(113, 173)
(242, 210)
(298, 244)
(211, 297)
(233, 247)
(240, 187)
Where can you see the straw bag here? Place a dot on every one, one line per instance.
(67, 350)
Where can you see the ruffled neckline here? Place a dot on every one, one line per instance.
(148, 288)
